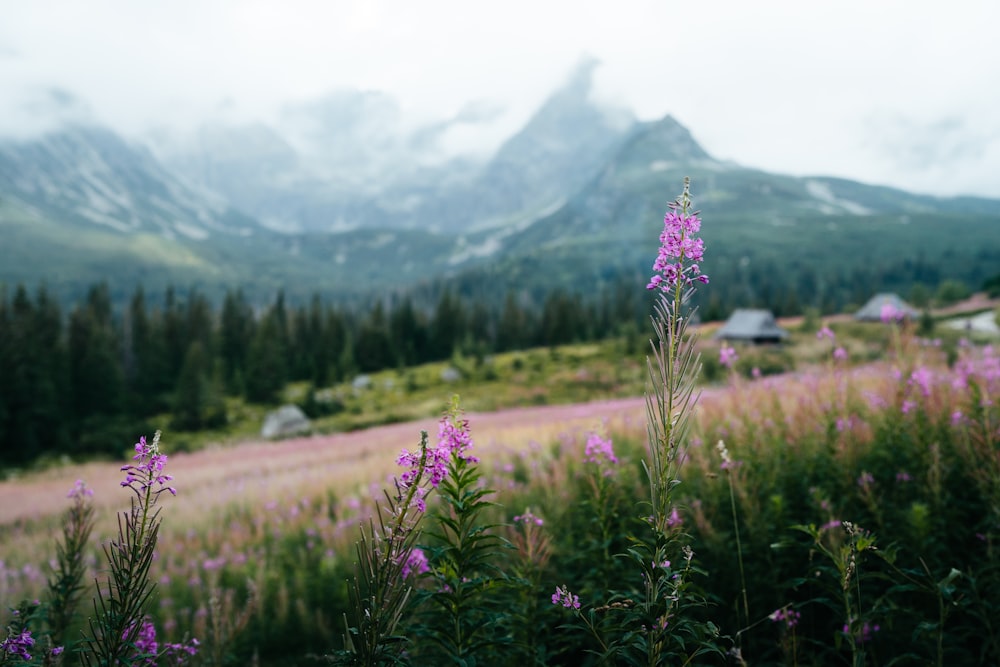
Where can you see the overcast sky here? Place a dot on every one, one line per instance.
(905, 93)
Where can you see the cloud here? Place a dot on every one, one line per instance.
(782, 85)
(912, 144)
(32, 111)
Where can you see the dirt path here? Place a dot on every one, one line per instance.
(254, 470)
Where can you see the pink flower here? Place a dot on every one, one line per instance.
(18, 645)
(921, 378)
(600, 452)
(80, 490)
(415, 564)
(727, 356)
(149, 468)
(528, 517)
(890, 313)
(565, 598)
(789, 616)
(678, 243)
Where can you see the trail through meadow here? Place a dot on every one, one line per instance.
(262, 471)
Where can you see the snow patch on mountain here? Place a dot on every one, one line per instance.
(830, 203)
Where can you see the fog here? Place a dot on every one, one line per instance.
(900, 93)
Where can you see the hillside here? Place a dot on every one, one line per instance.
(573, 200)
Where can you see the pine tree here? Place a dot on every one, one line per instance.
(7, 388)
(197, 402)
(447, 327)
(373, 350)
(96, 374)
(236, 331)
(512, 329)
(408, 333)
(267, 370)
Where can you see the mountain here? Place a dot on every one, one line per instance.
(82, 205)
(91, 176)
(348, 160)
(574, 199)
(754, 221)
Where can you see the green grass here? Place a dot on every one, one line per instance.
(563, 374)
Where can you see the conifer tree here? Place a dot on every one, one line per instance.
(513, 325)
(447, 327)
(236, 331)
(373, 350)
(266, 369)
(408, 334)
(197, 402)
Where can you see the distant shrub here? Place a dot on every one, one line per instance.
(951, 291)
(767, 360)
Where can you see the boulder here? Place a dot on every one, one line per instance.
(285, 421)
(451, 374)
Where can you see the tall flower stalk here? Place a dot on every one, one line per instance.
(667, 634)
(66, 582)
(466, 617)
(381, 591)
(119, 607)
(388, 557)
(652, 624)
(674, 365)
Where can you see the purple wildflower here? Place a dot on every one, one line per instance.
(454, 436)
(866, 480)
(921, 378)
(727, 461)
(890, 313)
(80, 490)
(148, 470)
(678, 243)
(565, 598)
(830, 525)
(528, 517)
(786, 614)
(600, 451)
(148, 649)
(840, 354)
(904, 476)
(727, 356)
(825, 332)
(416, 563)
(674, 519)
(865, 632)
(18, 645)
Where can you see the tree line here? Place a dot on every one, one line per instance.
(84, 382)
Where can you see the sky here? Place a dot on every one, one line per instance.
(902, 93)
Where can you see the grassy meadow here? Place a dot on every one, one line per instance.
(850, 515)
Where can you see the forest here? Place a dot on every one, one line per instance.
(79, 380)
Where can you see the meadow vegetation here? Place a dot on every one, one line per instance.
(844, 513)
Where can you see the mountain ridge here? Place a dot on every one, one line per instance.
(580, 186)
